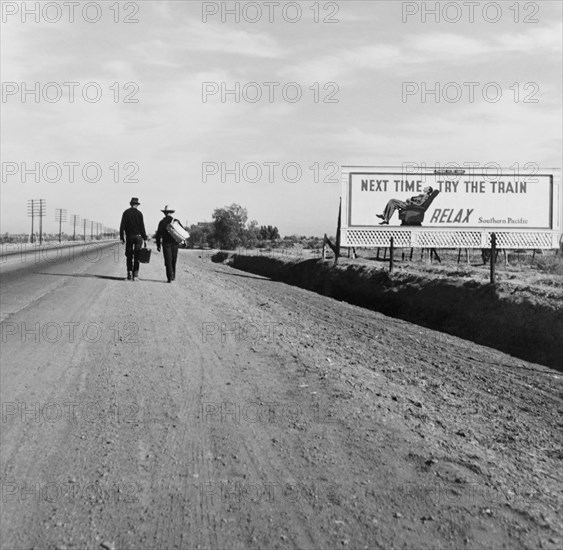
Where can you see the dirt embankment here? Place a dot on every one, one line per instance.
(515, 320)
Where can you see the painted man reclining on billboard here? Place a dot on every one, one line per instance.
(396, 204)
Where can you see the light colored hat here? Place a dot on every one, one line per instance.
(168, 210)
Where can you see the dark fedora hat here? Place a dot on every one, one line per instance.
(168, 210)
(134, 200)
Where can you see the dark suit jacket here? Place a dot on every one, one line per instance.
(132, 224)
(418, 199)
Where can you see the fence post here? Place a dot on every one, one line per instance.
(493, 253)
(391, 251)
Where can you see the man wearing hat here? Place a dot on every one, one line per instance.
(169, 244)
(132, 233)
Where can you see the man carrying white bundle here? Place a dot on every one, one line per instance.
(170, 234)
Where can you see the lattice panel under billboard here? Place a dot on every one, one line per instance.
(445, 239)
(375, 237)
(522, 240)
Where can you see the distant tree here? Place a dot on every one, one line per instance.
(230, 224)
(251, 235)
(269, 233)
(230, 229)
(201, 233)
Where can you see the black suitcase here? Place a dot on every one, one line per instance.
(144, 255)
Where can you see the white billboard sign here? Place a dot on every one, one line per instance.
(453, 199)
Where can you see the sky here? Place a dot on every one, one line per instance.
(146, 118)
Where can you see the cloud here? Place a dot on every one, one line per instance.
(450, 47)
(120, 69)
(24, 53)
(538, 40)
(183, 43)
(334, 67)
(422, 49)
(478, 132)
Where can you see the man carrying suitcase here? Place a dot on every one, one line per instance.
(169, 243)
(132, 233)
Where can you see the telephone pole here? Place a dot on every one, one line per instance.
(75, 220)
(60, 216)
(37, 207)
(31, 214)
(42, 212)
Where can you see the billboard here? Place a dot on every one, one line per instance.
(449, 199)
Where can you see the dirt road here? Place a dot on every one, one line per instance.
(228, 411)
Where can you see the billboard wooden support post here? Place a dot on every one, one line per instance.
(391, 251)
(466, 255)
(337, 244)
(493, 254)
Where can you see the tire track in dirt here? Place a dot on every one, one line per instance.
(179, 475)
(219, 439)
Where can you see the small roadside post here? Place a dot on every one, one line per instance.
(391, 254)
(493, 254)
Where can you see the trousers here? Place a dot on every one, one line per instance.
(133, 245)
(392, 205)
(170, 253)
